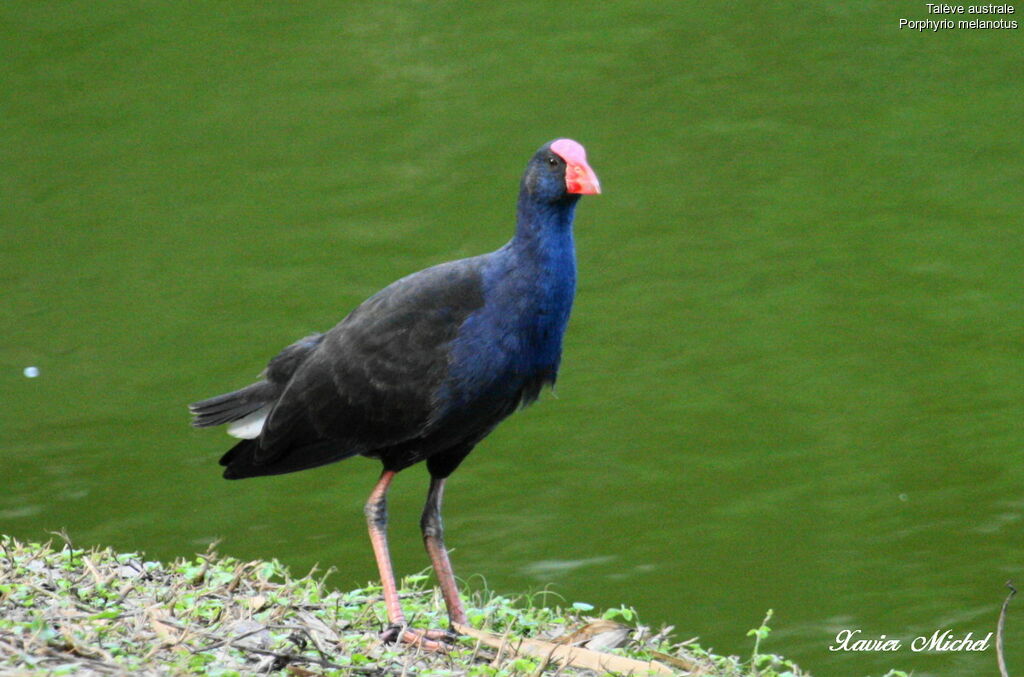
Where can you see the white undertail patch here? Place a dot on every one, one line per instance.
(250, 426)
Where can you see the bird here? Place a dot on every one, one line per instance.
(422, 371)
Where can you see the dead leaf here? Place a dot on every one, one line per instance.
(600, 634)
(301, 672)
(680, 662)
(168, 633)
(249, 633)
(574, 656)
(609, 639)
(318, 630)
(100, 580)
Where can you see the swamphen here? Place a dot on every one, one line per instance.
(423, 370)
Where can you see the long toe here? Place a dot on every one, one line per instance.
(447, 636)
(428, 640)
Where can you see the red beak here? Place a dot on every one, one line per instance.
(580, 179)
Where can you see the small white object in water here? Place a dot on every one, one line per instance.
(31, 372)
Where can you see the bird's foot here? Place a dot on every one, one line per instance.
(428, 640)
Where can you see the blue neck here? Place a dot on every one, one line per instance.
(529, 286)
(544, 257)
(544, 232)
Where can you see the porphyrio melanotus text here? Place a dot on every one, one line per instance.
(423, 370)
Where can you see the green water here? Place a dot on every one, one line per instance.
(793, 375)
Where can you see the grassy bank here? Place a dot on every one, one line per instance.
(64, 610)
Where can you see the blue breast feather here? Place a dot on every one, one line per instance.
(511, 346)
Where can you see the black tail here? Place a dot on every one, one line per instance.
(241, 460)
(232, 406)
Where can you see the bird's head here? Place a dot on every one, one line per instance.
(559, 171)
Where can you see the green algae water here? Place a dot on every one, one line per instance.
(792, 379)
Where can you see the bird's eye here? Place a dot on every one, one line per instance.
(553, 161)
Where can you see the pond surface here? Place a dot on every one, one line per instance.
(793, 375)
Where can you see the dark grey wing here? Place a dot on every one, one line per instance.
(284, 365)
(240, 403)
(371, 382)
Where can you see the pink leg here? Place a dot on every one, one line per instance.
(377, 520)
(433, 539)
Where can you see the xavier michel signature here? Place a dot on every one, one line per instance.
(940, 641)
